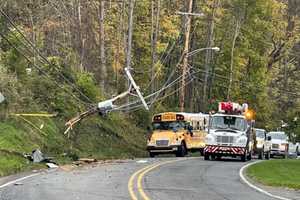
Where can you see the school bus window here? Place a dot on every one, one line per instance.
(168, 125)
(198, 126)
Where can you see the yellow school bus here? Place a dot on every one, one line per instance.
(178, 133)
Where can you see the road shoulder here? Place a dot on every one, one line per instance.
(275, 192)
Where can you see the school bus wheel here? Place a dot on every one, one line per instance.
(152, 154)
(181, 151)
(206, 156)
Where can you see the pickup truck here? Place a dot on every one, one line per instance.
(279, 143)
(262, 144)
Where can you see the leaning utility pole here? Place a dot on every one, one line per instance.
(185, 54)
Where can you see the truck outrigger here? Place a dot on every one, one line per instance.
(230, 132)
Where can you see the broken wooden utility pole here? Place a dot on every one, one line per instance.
(185, 53)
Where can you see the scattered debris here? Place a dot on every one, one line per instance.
(142, 161)
(67, 168)
(87, 160)
(51, 165)
(17, 184)
(82, 161)
(37, 156)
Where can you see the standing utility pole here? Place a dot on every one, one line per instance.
(103, 69)
(185, 53)
(129, 40)
(155, 10)
(209, 54)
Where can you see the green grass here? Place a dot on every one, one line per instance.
(10, 164)
(112, 137)
(282, 173)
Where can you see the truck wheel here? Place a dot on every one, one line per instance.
(201, 152)
(244, 157)
(152, 155)
(213, 157)
(181, 152)
(267, 156)
(206, 156)
(249, 156)
(261, 155)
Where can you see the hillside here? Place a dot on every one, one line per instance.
(114, 137)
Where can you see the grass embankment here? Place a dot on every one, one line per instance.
(102, 138)
(282, 173)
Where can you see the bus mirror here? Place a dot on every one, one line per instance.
(149, 129)
(269, 138)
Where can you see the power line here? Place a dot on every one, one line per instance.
(218, 76)
(179, 39)
(43, 57)
(239, 81)
(39, 68)
(151, 101)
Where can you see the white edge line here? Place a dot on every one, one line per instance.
(255, 187)
(17, 180)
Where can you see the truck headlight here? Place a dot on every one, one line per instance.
(151, 142)
(282, 147)
(209, 139)
(241, 140)
(176, 142)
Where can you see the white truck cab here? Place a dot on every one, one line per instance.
(262, 143)
(279, 141)
(230, 133)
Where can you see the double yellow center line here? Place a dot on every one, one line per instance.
(140, 174)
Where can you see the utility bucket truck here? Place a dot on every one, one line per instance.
(230, 132)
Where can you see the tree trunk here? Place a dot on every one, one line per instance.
(185, 58)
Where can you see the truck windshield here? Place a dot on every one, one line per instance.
(224, 122)
(168, 125)
(277, 135)
(260, 133)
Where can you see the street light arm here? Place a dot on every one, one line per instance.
(192, 14)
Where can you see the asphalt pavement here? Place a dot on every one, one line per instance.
(160, 179)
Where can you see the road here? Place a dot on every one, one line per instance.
(155, 179)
